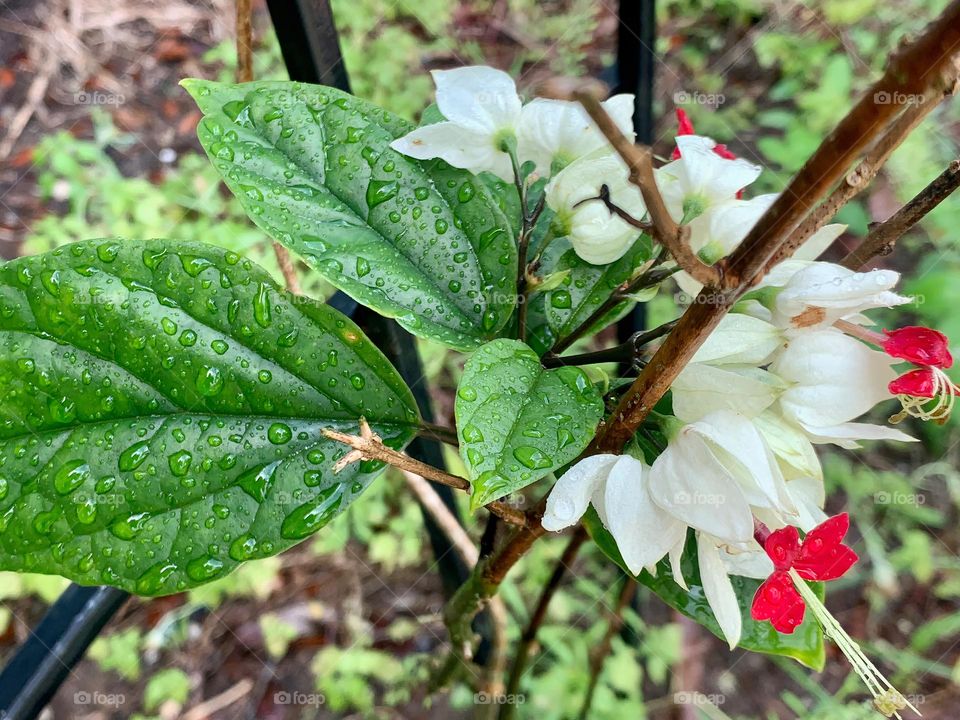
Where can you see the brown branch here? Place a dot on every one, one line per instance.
(929, 62)
(858, 179)
(601, 652)
(882, 238)
(369, 446)
(925, 63)
(639, 161)
(289, 273)
(539, 615)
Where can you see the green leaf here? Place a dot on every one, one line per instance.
(805, 644)
(423, 242)
(556, 313)
(518, 422)
(162, 413)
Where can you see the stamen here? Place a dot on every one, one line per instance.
(937, 407)
(886, 698)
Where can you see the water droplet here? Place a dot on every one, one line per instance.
(107, 252)
(193, 265)
(466, 192)
(467, 393)
(256, 482)
(357, 381)
(441, 226)
(210, 381)
(219, 347)
(179, 463)
(4, 487)
(244, 548)
(70, 476)
(261, 305)
(62, 409)
(363, 267)
(310, 517)
(264, 376)
(133, 456)
(379, 191)
(279, 433)
(188, 338)
(154, 579)
(129, 527)
(50, 279)
(204, 568)
(532, 457)
(168, 325)
(561, 299)
(472, 434)
(86, 510)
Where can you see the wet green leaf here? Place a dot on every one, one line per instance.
(555, 313)
(518, 422)
(422, 242)
(805, 644)
(162, 411)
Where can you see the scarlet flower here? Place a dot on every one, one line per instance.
(820, 557)
(919, 345)
(918, 383)
(685, 127)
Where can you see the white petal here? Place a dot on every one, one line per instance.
(644, 531)
(690, 482)
(742, 339)
(790, 444)
(751, 561)
(707, 174)
(809, 495)
(676, 566)
(836, 378)
(846, 434)
(457, 145)
(740, 447)
(719, 590)
(725, 225)
(570, 496)
(477, 97)
(561, 130)
(701, 389)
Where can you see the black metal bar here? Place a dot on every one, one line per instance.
(42, 662)
(636, 72)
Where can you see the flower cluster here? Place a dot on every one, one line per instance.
(795, 364)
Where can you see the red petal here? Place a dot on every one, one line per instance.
(722, 151)
(919, 345)
(916, 383)
(778, 601)
(684, 124)
(782, 546)
(822, 555)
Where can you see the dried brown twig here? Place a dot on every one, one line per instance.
(369, 446)
(882, 238)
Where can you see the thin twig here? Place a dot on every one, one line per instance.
(653, 276)
(244, 75)
(858, 179)
(369, 446)
(882, 238)
(601, 652)
(438, 432)
(539, 615)
(219, 702)
(625, 352)
(639, 160)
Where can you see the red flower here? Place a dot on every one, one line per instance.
(916, 383)
(919, 345)
(821, 556)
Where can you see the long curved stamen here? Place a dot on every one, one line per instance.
(937, 407)
(886, 698)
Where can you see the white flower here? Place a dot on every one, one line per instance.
(482, 110)
(833, 379)
(721, 229)
(701, 179)
(554, 133)
(818, 294)
(598, 236)
(740, 339)
(618, 487)
(714, 471)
